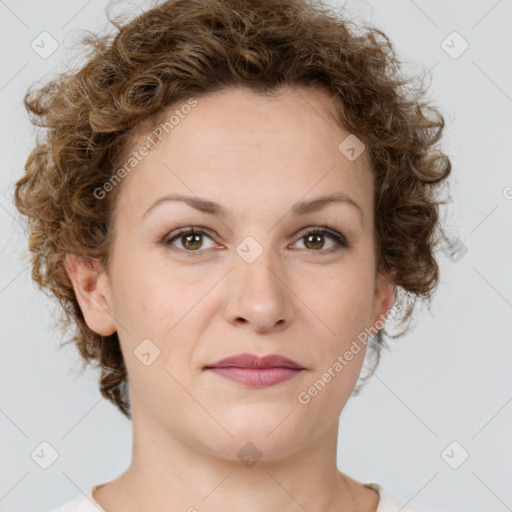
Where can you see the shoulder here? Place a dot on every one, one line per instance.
(83, 503)
(389, 504)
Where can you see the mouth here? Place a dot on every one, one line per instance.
(257, 372)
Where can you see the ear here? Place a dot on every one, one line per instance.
(383, 297)
(92, 290)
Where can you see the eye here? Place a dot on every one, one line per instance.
(191, 240)
(314, 238)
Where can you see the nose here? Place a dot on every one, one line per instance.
(258, 294)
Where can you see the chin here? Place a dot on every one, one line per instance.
(256, 441)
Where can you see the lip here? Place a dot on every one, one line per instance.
(255, 371)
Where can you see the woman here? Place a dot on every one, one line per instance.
(228, 201)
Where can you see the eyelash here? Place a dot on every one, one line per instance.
(341, 241)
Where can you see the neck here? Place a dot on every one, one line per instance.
(177, 476)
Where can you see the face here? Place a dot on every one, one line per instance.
(257, 276)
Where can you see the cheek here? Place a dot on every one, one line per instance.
(343, 302)
(157, 304)
(157, 345)
(142, 287)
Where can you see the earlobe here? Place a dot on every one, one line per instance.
(384, 297)
(92, 290)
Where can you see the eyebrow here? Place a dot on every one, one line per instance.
(300, 208)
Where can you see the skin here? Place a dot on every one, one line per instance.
(257, 157)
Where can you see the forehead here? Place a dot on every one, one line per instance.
(243, 148)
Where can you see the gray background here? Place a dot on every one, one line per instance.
(448, 380)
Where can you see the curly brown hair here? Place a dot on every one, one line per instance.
(182, 48)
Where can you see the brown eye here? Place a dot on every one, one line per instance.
(314, 240)
(191, 239)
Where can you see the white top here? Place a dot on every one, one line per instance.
(86, 503)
